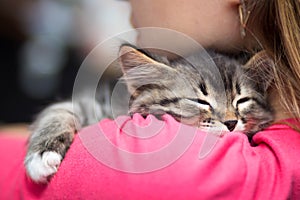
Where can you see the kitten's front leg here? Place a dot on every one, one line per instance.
(52, 135)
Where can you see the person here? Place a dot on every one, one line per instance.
(272, 26)
(267, 169)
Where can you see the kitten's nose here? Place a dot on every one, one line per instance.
(230, 124)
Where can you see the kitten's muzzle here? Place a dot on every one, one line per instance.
(231, 124)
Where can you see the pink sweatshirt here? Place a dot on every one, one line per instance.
(150, 159)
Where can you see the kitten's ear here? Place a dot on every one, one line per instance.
(260, 68)
(130, 57)
(140, 69)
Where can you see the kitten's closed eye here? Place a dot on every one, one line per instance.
(243, 100)
(200, 103)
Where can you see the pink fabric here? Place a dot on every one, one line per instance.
(95, 166)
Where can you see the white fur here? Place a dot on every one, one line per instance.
(240, 126)
(213, 127)
(39, 168)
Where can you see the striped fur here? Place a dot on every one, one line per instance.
(197, 92)
(194, 91)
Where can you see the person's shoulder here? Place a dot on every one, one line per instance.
(282, 138)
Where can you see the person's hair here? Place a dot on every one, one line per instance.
(276, 25)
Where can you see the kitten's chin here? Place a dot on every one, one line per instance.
(240, 126)
(193, 121)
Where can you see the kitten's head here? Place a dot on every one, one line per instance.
(230, 95)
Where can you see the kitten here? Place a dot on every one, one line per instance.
(197, 93)
(229, 95)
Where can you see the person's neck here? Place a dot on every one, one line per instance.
(280, 112)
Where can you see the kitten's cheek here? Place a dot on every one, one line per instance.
(251, 125)
(195, 121)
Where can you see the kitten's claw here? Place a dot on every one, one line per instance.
(41, 167)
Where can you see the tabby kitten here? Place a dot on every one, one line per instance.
(229, 95)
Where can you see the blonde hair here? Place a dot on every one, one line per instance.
(276, 25)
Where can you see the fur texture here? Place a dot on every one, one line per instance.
(193, 90)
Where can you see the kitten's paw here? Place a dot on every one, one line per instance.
(41, 167)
